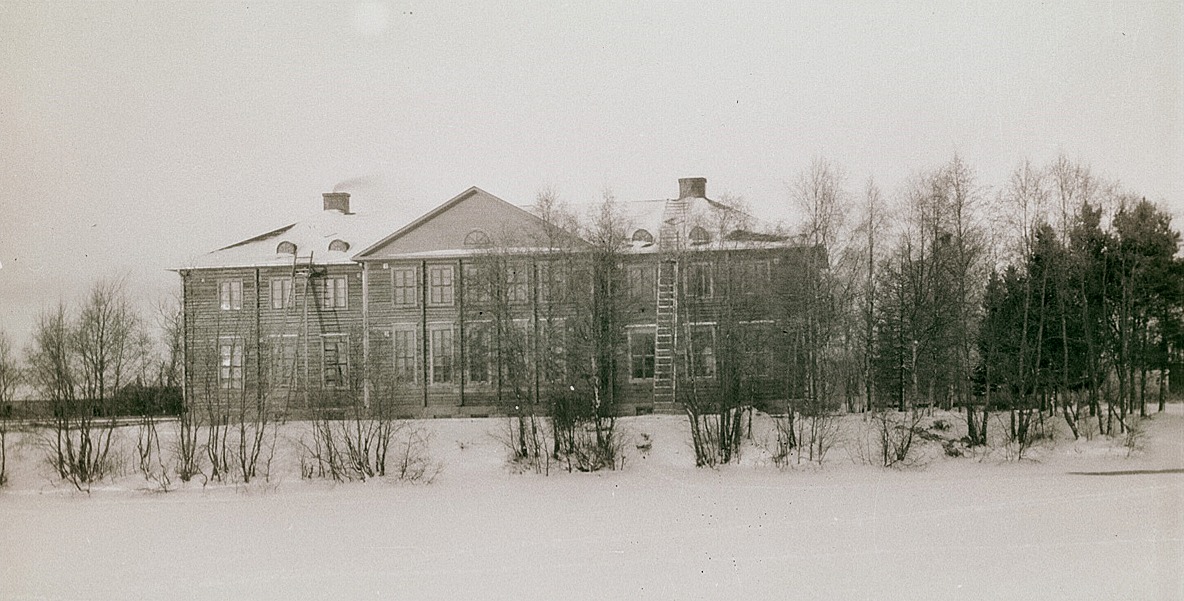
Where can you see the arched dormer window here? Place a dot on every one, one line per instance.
(477, 239)
(285, 248)
(339, 245)
(643, 237)
(699, 236)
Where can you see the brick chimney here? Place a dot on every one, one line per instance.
(337, 201)
(692, 187)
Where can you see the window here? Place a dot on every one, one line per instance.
(404, 283)
(281, 293)
(282, 359)
(333, 293)
(477, 360)
(758, 347)
(440, 285)
(285, 248)
(339, 246)
(477, 239)
(643, 237)
(516, 284)
(514, 349)
(699, 280)
(552, 349)
(699, 236)
(641, 282)
(755, 277)
(441, 354)
(230, 295)
(335, 349)
(403, 339)
(552, 283)
(641, 353)
(476, 286)
(230, 371)
(701, 351)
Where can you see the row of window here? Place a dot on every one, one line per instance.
(479, 361)
(333, 292)
(281, 357)
(514, 282)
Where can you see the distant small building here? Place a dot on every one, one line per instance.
(479, 305)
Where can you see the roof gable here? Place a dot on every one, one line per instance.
(443, 230)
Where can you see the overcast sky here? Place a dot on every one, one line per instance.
(135, 136)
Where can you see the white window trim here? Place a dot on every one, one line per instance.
(690, 327)
(431, 358)
(451, 285)
(236, 347)
(229, 304)
(414, 285)
(288, 300)
(324, 292)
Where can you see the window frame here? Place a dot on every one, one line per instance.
(336, 339)
(708, 281)
(397, 288)
(764, 351)
(330, 299)
(652, 332)
(693, 353)
(280, 361)
(517, 283)
(486, 330)
(227, 299)
(436, 290)
(286, 289)
(230, 375)
(412, 367)
(649, 274)
(449, 358)
(756, 276)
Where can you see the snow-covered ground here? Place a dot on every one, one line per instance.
(981, 527)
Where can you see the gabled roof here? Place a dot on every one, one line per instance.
(311, 236)
(449, 241)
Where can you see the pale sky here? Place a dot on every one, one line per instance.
(134, 136)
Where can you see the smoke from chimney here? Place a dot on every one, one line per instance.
(353, 183)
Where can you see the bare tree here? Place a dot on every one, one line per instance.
(822, 310)
(10, 379)
(79, 365)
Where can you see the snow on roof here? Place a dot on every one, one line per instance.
(720, 220)
(311, 236)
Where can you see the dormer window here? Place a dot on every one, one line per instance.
(339, 246)
(285, 248)
(477, 239)
(699, 236)
(643, 237)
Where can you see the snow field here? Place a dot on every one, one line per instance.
(981, 527)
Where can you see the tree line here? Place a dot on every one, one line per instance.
(1057, 294)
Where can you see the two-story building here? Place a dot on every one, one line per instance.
(480, 306)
